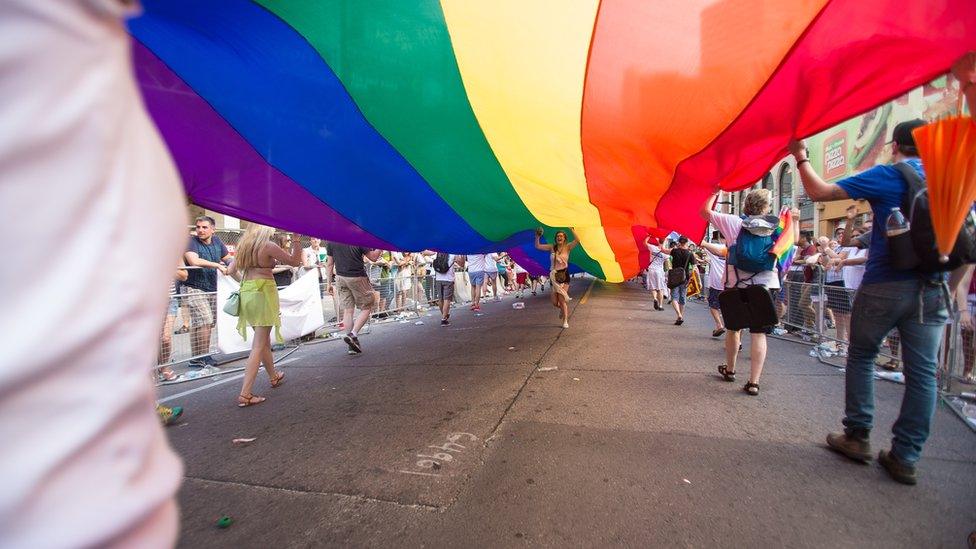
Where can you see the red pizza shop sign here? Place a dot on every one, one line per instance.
(835, 155)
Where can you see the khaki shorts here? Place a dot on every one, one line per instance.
(202, 306)
(354, 291)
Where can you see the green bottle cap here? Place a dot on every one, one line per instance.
(224, 521)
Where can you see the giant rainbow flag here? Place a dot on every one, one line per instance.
(461, 125)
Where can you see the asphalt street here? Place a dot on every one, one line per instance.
(505, 429)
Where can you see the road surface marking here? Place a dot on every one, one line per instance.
(587, 294)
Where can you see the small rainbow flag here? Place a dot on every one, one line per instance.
(784, 237)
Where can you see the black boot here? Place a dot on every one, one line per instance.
(853, 443)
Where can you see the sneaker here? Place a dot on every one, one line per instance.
(209, 361)
(445, 322)
(476, 308)
(353, 343)
(196, 363)
(565, 324)
(169, 415)
(853, 443)
(718, 332)
(898, 469)
(679, 322)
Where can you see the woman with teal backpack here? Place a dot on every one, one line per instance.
(749, 264)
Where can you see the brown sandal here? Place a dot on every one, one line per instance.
(243, 401)
(277, 380)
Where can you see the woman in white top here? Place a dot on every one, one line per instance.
(757, 202)
(656, 281)
(404, 284)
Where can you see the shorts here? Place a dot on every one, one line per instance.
(838, 298)
(765, 330)
(680, 293)
(713, 299)
(445, 290)
(520, 278)
(477, 278)
(491, 274)
(202, 305)
(173, 306)
(354, 291)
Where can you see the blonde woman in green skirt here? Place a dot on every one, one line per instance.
(257, 255)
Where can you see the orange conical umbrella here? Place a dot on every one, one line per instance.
(948, 151)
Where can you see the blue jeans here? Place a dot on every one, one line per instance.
(879, 308)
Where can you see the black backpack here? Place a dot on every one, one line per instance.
(442, 263)
(678, 275)
(916, 249)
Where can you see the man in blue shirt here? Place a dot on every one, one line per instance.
(888, 298)
(207, 253)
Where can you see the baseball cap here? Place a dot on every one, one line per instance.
(902, 134)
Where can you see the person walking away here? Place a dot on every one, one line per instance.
(559, 271)
(888, 298)
(207, 253)
(521, 280)
(476, 273)
(254, 265)
(445, 266)
(656, 281)
(347, 269)
(757, 203)
(493, 267)
(681, 258)
(715, 253)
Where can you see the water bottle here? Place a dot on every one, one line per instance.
(900, 247)
(896, 224)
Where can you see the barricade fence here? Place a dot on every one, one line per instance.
(189, 345)
(819, 313)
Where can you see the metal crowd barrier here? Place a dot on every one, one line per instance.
(188, 346)
(818, 313)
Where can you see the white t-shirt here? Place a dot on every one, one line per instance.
(657, 258)
(730, 225)
(716, 270)
(491, 262)
(83, 170)
(834, 274)
(476, 263)
(853, 274)
(449, 275)
(310, 256)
